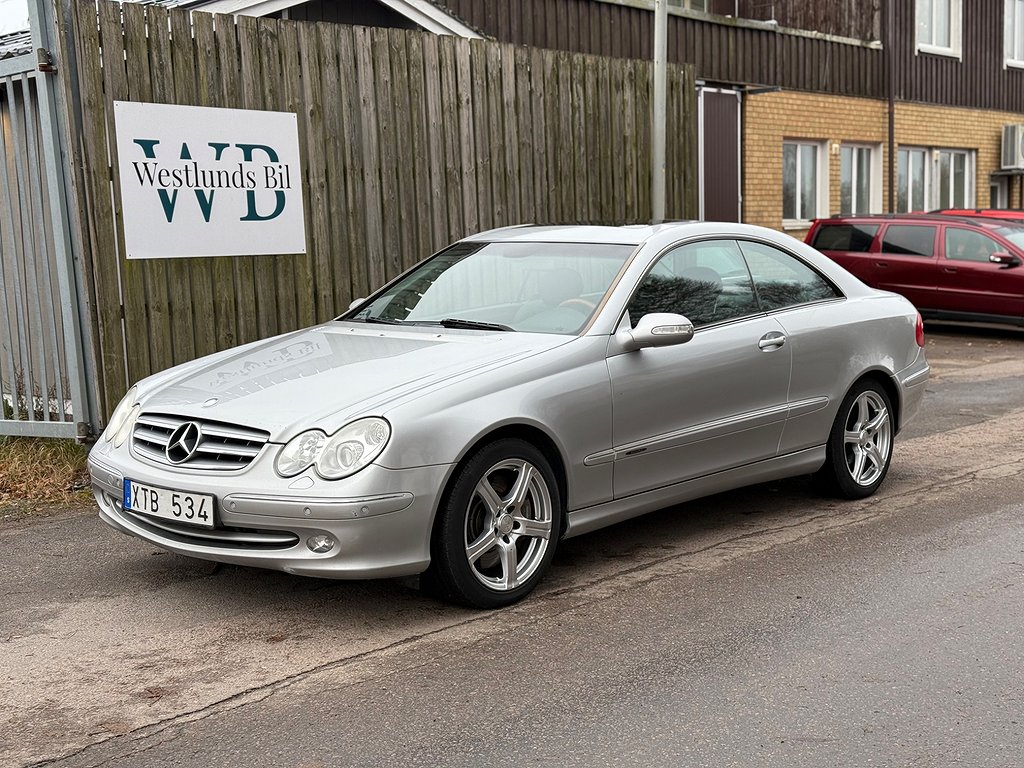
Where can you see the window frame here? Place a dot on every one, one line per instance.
(1013, 43)
(955, 47)
(874, 178)
(820, 180)
(969, 191)
(932, 192)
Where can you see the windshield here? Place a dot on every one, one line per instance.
(533, 287)
(1014, 234)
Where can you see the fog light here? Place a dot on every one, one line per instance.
(320, 543)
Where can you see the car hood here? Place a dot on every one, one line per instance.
(326, 375)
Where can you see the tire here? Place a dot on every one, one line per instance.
(859, 448)
(497, 528)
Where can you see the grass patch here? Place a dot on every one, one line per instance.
(37, 474)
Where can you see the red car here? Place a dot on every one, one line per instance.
(951, 268)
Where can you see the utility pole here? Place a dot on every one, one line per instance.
(658, 113)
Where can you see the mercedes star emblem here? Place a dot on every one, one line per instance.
(183, 443)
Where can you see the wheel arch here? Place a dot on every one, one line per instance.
(528, 433)
(886, 381)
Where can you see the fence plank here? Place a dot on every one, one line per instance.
(295, 306)
(159, 298)
(111, 353)
(141, 279)
(193, 273)
(451, 106)
(375, 246)
(212, 84)
(422, 222)
(406, 211)
(523, 74)
(482, 141)
(356, 238)
(250, 326)
(436, 124)
(326, 139)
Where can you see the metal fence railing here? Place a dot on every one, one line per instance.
(42, 388)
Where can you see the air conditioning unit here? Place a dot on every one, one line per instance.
(1013, 147)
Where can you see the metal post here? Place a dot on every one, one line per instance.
(658, 112)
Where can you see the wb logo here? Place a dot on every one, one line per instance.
(204, 182)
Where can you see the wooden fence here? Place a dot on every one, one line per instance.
(409, 141)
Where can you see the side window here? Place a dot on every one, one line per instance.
(782, 280)
(965, 245)
(856, 238)
(909, 240)
(707, 282)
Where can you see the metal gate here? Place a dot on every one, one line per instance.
(42, 375)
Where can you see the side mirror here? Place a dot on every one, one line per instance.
(355, 303)
(1006, 260)
(658, 329)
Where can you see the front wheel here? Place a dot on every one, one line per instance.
(497, 527)
(859, 448)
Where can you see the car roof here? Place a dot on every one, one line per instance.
(931, 218)
(630, 234)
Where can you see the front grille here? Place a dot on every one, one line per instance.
(221, 446)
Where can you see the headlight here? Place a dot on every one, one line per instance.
(122, 418)
(342, 454)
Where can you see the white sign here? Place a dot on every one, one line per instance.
(199, 181)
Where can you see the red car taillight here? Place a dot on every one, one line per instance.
(919, 330)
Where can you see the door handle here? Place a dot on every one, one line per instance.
(771, 341)
(882, 264)
(950, 270)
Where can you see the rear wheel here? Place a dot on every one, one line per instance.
(859, 448)
(498, 526)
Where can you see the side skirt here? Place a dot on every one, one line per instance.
(591, 518)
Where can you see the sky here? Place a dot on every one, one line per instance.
(13, 16)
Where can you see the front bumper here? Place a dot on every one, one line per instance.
(380, 519)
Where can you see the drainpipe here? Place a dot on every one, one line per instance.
(658, 113)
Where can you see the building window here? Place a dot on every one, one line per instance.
(934, 178)
(802, 172)
(911, 180)
(952, 179)
(689, 5)
(938, 26)
(857, 193)
(1015, 33)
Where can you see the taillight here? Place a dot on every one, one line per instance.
(919, 330)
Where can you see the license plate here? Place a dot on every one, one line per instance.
(190, 508)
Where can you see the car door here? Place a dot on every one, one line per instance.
(803, 301)
(713, 403)
(907, 263)
(969, 282)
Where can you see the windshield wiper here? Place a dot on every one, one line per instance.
(472, 325)
(381, 320)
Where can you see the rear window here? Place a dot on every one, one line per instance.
(845, 237)
(909, 240)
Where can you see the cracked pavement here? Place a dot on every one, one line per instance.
(763, 626)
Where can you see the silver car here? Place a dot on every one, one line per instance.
(522, 386)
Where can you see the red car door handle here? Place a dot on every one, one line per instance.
(951, 270)
(882, 264)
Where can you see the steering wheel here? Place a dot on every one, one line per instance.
(581, 305)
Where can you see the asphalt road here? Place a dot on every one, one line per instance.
(764, 627)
